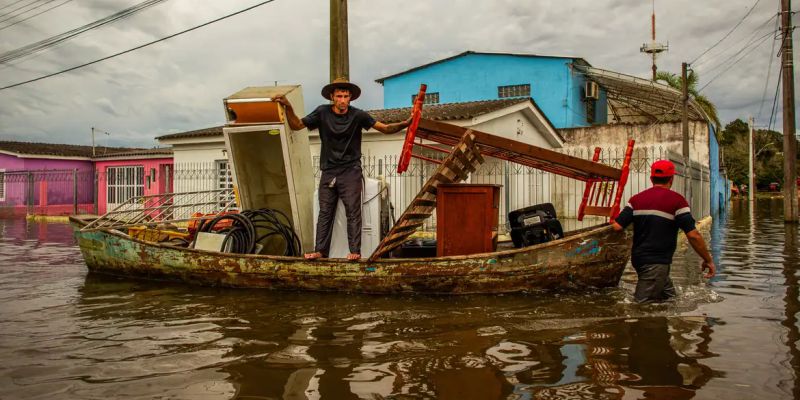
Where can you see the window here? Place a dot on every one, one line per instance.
(2, 185)
(514, 91)
(430, 98)
(124, 183)
(224, 180)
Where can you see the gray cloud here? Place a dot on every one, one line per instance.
(179, 84)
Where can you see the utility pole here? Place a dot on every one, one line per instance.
(751, 182)
(340, 64)
(789, 134)
(685, 111)
(92, 141)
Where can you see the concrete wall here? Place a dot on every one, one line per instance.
(668, 135)
(554, 87)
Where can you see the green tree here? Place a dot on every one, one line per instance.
(676, 82)
(767, 145)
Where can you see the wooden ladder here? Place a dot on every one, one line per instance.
(463, 159)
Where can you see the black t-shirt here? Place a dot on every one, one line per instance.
(340, 135)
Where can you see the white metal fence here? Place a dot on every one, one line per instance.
(521, 186)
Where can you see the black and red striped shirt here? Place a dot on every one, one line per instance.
(657, 214)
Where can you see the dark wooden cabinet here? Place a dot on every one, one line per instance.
(466, 218)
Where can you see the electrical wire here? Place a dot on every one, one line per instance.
(247, 229)
(63, 37)
(769, 75)
(35, 15)
(774, 102)
(729, 32)
(19, 8)
(28, 10)
(731, 65)
(11, 4)
(750, 39)
(137, 47)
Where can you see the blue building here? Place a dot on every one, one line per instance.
(563, 94)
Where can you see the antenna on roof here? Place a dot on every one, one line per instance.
(653, 48)
(93, 129)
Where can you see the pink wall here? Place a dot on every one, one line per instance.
(152, 166)
(52, 180)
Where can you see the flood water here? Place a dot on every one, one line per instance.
(67, 334)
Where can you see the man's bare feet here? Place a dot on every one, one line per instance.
(353, 257)
(312, 256)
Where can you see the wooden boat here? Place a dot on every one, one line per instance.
(591, 257)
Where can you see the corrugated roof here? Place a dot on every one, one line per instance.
(468, 52)
(205, 132)
(57, 149)
(439, 112)
(162, 151)
(637, 100)
(449, 111)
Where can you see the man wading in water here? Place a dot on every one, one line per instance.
(657, 213)
(340, 127)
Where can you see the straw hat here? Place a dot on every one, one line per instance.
(341, 83)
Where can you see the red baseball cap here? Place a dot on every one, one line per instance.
(662, 169)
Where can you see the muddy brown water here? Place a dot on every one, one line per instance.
(67, 334)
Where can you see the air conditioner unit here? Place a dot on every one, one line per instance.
(592, 90)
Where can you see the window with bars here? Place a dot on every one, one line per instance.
(430, 98)
(122, 183)
(514, 91)
(224, 180)
(2, 185)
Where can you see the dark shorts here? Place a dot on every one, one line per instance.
(654, 284)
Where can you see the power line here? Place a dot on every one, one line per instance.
(140, 46)
(63, 37)
(762, 40)
(729, 32)
(752, 37)
(19, 8)
(769, 73)
(11, 4)
(37, 14)
(774, 103)
(27, 11)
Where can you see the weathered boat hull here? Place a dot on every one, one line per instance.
(594, 257)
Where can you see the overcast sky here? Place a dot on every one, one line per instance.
(178, 85)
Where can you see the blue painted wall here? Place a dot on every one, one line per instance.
(720, 186)
(471, 77)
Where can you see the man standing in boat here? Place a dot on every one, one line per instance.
(657, 214)
(340, 128)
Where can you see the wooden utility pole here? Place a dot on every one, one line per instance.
(685, 112)
(789, 134)
(751, 173)
(340, 57)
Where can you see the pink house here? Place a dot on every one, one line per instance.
(60, 179)
(121, 176)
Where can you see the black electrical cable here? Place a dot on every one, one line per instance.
(250, 227)
(35, 15)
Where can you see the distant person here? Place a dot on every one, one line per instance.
(657, 214)
(340, 128)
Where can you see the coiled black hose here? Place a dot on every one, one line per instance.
(241, 237)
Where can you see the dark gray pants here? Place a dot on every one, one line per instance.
(346, 185)
(654, 284)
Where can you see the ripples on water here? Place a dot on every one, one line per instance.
(66, 334)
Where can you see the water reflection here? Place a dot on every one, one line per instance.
(792, 301)
(66, 334)
(309, 346)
